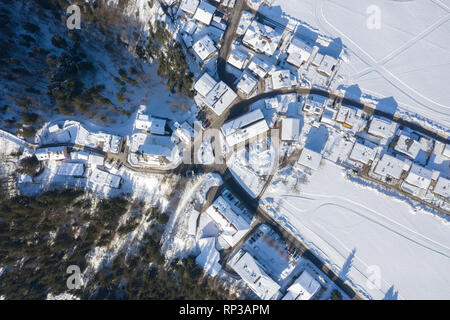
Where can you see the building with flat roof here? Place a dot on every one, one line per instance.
(310, 159)
(327, 65)
(262, 38)
(314, 104)
(304, 288)
(347, 116)
(281, 79)
(220, 97)
(254, 276)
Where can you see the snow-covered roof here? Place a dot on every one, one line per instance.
(51, 153)
(205, 84)
(192, 222)
(271, 103)
(327, 64)
(299, 52)
(446, 151)
(244, 23)
(310, 159)
(112, 143)
(442, 187)
(204, 48)
(54, 128)
(253, 274)
(382, 128)
(390, 166)
(204, 12)
(96, 160)
(281, 79)
(142, 122)
(189, 6)
(79, 155)
(185, 132)
(238, 58)
(262, 38)
(105, 178)
(155, 145)
(362, 153)
(209, 256)
(419, 176)
(347, 116)
(247, 83)
(157, 126)
(220, 97)
(290, 129)
(232, 126)
(259, 67)
(233, 226)
(71, 169)
(304, 288)
(190, 27)
(408, 146)
(314, 103)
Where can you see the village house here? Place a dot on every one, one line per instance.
(204, 48)
(262, 38)
(204, 13)
(310, 159)
(220, 97)
(304, 288)
(247, 85)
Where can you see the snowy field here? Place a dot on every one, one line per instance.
(360, 231)
(404, 65)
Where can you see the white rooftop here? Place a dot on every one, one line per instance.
(327, 64)
(204, 12)
(310, 159)
(389, 166)
(232, 225)
(101, 177)
(220, 97)
(304, 288)
(407, 146)
(419, 176)
(256, 278)
(189, 6)
(281, 79)
(242, 121)
(238, 58)
(209, 256)
(362, 153)
(262, 38)
(299, 52)
(382, 128)
(205, 84)
(204, 48)
(290, 129)
(71, 169)
(259, 67)
(346, 115)
(442, 187)
(244, 23)
(247, 83)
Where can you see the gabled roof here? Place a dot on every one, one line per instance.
(220, 97)
(382, 128)
(442, 187)
(310, 159)
(205, 84)
(362, 153)
(232, 126)
(189, 6)
(262, 38)
(390, 166)
(304, 288)
(408, 146)
(204, 47)
(419, 176)
(290, 129)
(204, 12)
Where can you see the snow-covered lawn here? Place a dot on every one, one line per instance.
(360, 231)
(407, 58)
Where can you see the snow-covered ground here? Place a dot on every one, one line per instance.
(401, 63)
(362, 233)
